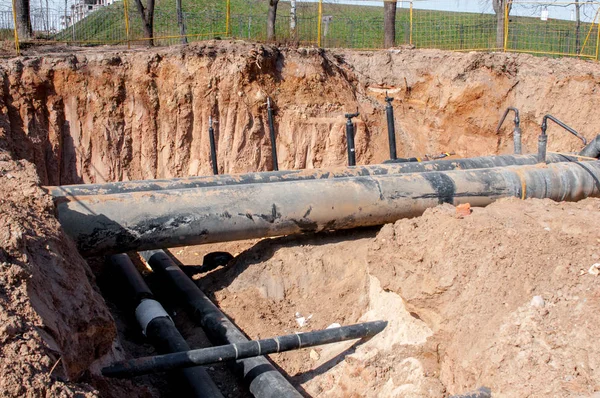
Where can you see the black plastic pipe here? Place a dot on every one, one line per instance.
(592, 149)
(516, 131)
(263, 379)
(350, 138)
(248, 349)
(396, 167)
(543, 138)
(170, 218)
(389, 111)
(272, 135)
(213, 149)
(160, 330)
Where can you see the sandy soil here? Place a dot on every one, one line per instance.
(460, 293)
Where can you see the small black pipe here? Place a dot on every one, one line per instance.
(389, 111)
(248, 349)
(272, 135)
(592, 149)
(516, 131)
(213, 149)
(350, 138)
(543, 138)
(160, 330)
(481, 392)
(263, 379)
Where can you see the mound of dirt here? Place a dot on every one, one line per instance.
(53, 322)
(460, 294)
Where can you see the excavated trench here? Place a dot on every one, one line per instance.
(456, 289)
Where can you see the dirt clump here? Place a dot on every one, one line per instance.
(502, 297)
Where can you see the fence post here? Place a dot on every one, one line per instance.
(126, 14)
(228, 19)
(410, 41)
(14, 12)
(598, 35)
(505, 46)
(319, 22)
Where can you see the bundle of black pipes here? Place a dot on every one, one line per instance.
(263, 379)
(158, 327)
(169, 218)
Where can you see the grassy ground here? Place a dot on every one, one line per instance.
(351, 26)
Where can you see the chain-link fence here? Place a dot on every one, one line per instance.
(544, 27)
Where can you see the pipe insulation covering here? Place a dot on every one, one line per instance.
(170, 218)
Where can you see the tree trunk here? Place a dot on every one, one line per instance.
(147, 15)
(389, 23)
(293, 19)
(180, 22)
(499, 9)
(23, 19)
(577, 26)
(271, 19)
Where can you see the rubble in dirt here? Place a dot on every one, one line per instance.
(462, 294)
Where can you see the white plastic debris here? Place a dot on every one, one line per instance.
(538, 302)
(301, 321)
(594, 269)
(334, 325)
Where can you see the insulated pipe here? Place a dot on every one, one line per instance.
(213, 149)
(160, 330)
(543, 138)
(516, 131)
(592, 149)
(299, 175)
(272, 135)
(248, 349)
(263, 379)
(146, 220)
(350, 138)
(389, 111)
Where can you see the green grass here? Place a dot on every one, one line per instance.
(351, 26)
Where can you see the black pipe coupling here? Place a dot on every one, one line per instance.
(389, 111)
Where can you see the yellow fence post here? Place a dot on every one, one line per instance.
(598, 34)
(14, 10)
(505, 46)
(126, 13)
(319, 22)
(228, 18)
(410, 34)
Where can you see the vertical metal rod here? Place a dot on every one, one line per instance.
(411, 23)
(228, 19)
(319, 23)
(213, 150)
(126, 12)
(272, 135)
(14, 12)
(389, 110)
(505, 42)
(350, 138)
(598, 35)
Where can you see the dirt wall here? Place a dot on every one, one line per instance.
(92, 117)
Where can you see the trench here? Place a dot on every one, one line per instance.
(96, 118)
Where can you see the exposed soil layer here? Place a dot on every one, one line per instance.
(458, 293)
(116, 115)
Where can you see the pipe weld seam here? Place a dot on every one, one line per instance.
(299, 340)
(236, 351)
(277, 341)
(258, 343)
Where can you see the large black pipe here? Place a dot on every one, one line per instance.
(592, 149)
(272, 135)
(350, 138)
(160, 330)
(147, 220)
(213, 149)
(248, 349)
(299, 175)
(389, 112)
(263, 379)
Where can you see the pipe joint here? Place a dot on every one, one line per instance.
(147, 311)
